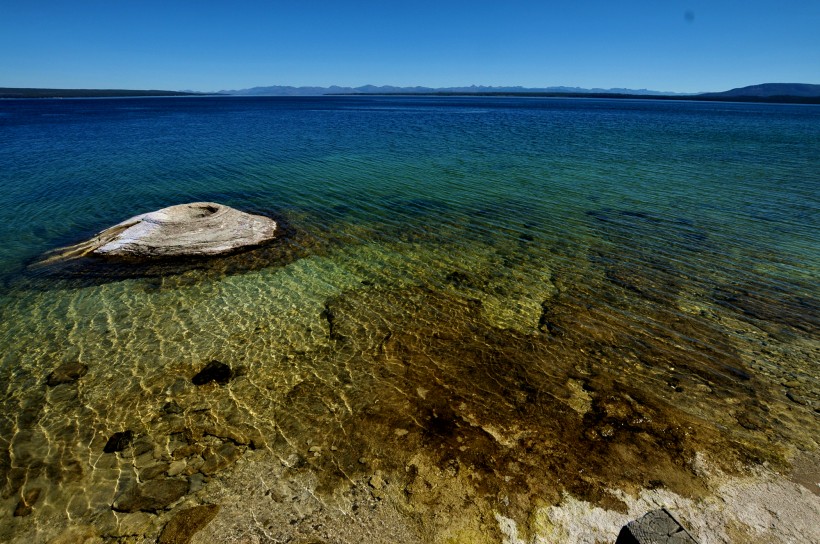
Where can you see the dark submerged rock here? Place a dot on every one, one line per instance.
(214, 371)
(655, 527)
(171, 407)
(118, 441)
(186, 522)
(150, 496)
(459, 279)
(24, 507)
(66, 373)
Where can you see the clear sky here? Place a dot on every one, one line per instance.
(667, 45)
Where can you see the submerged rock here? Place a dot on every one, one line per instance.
(186, 230)
(186, 522)
(24, 507)
(214, 371)
(66, 373)
(118, 441)
(151, 496)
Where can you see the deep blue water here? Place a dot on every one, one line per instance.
(746, 174)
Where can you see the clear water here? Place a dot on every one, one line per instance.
(524, 289)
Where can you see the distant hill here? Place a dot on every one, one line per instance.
(12, 92)
(282, 90)
(770, 90)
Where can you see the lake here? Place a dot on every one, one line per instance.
(477, 307)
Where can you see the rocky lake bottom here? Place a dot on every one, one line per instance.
(409, 389)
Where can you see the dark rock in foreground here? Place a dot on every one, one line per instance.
(655, 527)
(118, 441)
(187, 522)
(66, 373)
(214, 371)
(151, 496)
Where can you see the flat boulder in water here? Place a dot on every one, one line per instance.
(185, 230)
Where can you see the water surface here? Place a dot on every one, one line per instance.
(487, 302)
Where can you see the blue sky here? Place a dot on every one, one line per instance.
(668, 45)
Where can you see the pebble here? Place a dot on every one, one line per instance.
(796, 397)
(24, 507)
(151, 496)
(118, 441)
(376, 481)
(132, 525)
(197, 481)
(143, 445)
(66, 373)
(187, 522)
(215, 371)
(153, 471)
(176, 467)
(218, 458)
(315, 449)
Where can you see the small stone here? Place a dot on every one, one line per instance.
(145, 460)
(118, 441)
(194, 464)
(315, 449)
(218, 459)
(24, 507)
(151, 496)
(171, 407)
(143, 445)
(187, 451)
(186, 522)
(796, 397)
(66, 373)
(176, 467)
(153, 471)
(376, 481)
(133, 524)
(214, 371)
(198, 481)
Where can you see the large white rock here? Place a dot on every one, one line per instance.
(185, 230)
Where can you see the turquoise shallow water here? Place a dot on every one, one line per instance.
(451, 264)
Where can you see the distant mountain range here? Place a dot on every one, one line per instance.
(283, 90)
(767, 92)
(770, 90)
(801, 93)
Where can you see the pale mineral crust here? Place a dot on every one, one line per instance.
(198, 229)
